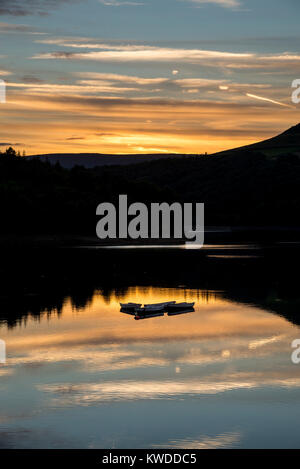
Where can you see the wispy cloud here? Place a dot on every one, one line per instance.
(121, 78)
(42, 7)
(138, 53)
(141, 53)
(31, 7)
(116, 3)
(87, 87)
(223, 3)
(15, 28)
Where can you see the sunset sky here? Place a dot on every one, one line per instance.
(116, 76)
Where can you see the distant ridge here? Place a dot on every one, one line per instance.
(286, 142)
(91, 160)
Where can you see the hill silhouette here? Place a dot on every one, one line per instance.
(286, 142)
(91, 160)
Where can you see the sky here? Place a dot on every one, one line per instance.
(118, 76)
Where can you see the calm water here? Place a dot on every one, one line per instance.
(92, 377)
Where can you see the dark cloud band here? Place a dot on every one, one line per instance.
(30, 7)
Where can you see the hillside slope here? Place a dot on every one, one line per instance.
(286, 142)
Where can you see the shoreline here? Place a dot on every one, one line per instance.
(213, 235)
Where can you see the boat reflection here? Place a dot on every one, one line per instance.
(185, 311)
(148, 316)
(130, 313)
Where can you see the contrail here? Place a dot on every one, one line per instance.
(268, 100)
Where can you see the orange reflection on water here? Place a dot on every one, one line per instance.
(95, 356)
(99, 335)
(101, 322)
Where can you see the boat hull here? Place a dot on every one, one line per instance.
(149, 310)
(160, 305)
(129, 307)
(180, 307)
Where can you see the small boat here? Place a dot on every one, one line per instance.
(159, 305)
(150, 309)
(130, 306)
(180, 306)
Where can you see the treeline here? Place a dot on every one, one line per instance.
(39, 198)
(242, 188)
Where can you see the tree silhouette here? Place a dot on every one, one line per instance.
(10, 152)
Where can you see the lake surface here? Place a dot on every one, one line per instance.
(85, 375)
